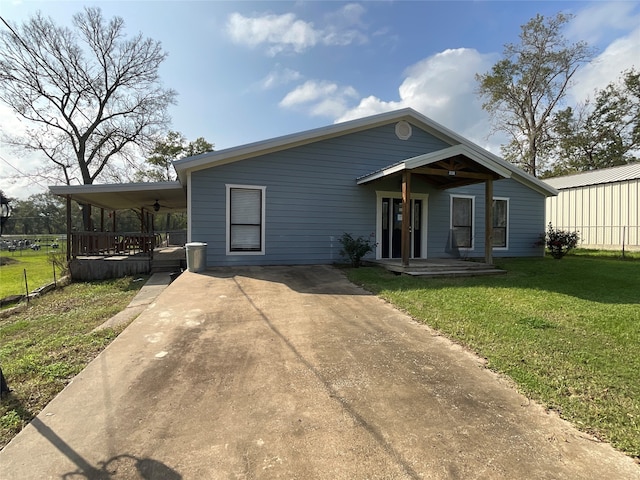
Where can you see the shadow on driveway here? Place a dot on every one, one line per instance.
(293, 372)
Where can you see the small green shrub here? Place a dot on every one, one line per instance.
(559, 242)
(356, 248)
(11, 421)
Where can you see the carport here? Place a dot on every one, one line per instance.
(133, 251)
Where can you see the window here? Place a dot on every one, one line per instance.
(462, 222)
(500, 222)
(245, 220)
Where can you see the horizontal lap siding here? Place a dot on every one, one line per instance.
(525, 222)
(311, 195)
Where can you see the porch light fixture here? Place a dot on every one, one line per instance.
(156, 206)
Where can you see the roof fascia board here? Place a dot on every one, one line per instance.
(114, 187)
(429, 158)
(398, 167)
(459, 150)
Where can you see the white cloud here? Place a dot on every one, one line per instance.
(595, 21)
(280, 32)
(620, 55)
(287, 33)
(15, 168)
(320, 98)
(442, 87)
(350, 14)
(339, 29)
(279, 76)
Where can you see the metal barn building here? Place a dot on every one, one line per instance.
(603, 205)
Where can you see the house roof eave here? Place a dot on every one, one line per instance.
(170, 195)
(234, 154)
(474, 151)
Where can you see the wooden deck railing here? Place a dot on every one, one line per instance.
(108, 243)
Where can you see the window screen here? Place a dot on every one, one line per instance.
(245, 226)
(461, 221)
(500, 213)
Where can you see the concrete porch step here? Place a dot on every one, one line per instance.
(172, 265)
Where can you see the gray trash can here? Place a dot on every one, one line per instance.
(196, 256)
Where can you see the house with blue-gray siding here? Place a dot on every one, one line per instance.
(416, 188)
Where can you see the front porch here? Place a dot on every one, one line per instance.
(438, 267)
(452, 167)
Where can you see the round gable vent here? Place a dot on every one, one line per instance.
(403, 130)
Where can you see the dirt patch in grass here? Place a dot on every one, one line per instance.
(7, 261)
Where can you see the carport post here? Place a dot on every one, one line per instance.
(68, 228)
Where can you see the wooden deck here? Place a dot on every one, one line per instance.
(100, 267)
(438, 267)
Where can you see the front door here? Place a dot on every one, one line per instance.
(391, 227)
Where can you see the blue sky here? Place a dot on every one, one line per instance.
(248, 71)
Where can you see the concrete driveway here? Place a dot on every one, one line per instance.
(294, 373)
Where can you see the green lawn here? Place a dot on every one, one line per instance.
(566, 331)
(45, 345)
(39, 269)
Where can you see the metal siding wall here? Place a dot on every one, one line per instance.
(311, 195)
(605, 215)
(593, 194)
(579, 207)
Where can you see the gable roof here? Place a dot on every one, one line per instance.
(622, 173)
(434, 157)
(230, 155)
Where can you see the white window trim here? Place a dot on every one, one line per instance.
(506, 199)
(189, 207)
(228, 220)
(423, 221)
(473, 220)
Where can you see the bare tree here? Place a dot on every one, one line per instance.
(522, 91)
(87, 93)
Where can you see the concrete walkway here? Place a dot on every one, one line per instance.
(145, 297)
(293, 372)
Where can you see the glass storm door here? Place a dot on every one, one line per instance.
(391, 221)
